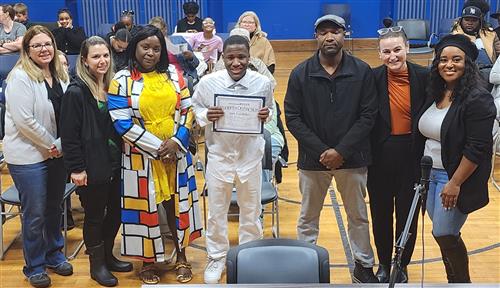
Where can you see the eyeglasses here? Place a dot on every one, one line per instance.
(39, 47)
(128, 12)
(395, 29)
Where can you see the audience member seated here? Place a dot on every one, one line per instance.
(260, 47)
(255, 63)
(180, 53)
(11, 33)
(207, 43)
(119, 43)
(127, 19)
(21, 15)
(191, 23)
(68, 38)
(473, 25)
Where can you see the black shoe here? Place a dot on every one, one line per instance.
(41, 280)
(98, 270)
(383, 273)
(112, 262)
(363, 275)
(63, 269)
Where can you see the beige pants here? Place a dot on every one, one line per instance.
(351, 184)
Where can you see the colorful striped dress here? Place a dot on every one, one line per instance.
(140, 229)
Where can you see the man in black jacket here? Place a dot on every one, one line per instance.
(330, 108)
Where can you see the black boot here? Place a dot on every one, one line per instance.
(98, 270)
(455, 259)
(383, 273)
(112, 263)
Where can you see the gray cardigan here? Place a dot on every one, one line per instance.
(30, 124)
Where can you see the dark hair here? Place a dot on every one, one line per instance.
(123, 35)
(119, 25)
(64, 10)
(469, 81)
(6, 8)
(141, 33)
(236, 40)
(190, 8)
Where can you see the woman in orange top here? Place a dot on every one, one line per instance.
(395, 155)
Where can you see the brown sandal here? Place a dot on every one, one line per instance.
(183, 278)
(149, 275)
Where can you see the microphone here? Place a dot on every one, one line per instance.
(425, 166)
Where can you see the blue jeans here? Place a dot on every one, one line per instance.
(41, 189)
(267, 175)
(444, 222)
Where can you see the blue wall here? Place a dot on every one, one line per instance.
(281, 19)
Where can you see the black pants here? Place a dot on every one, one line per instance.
(101, 203)
(390, 184)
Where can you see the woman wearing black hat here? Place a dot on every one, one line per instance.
(456, 125)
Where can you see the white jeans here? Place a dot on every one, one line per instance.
(219, 199)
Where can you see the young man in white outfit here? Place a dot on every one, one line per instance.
(233, 159)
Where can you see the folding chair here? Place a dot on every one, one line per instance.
(10, 197)
(277, 261)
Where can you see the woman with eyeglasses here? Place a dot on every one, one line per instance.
(396, 155)
(68, 37)
(456, 124)
(260, 47)
(151, 109)
(33, 153)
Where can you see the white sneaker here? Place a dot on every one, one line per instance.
(213, 271)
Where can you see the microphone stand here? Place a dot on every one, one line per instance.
(420, 193)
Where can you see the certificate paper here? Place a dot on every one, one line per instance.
(240, 114)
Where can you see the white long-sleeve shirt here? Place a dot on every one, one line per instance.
(231, 154)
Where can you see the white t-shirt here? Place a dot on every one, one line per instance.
(430, 126)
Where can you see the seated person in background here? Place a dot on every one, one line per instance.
(207, 43)
(191, 23)
(119, 42)
(182, 58)
(473, 25)
(496, 16)
(11, 33)
(127, 18)
(68, 38)
(255, 63)
(21, 11)
(260, 47)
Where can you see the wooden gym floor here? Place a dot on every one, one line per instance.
(481, 232)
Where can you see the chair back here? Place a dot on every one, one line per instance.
(50, 25)
(277, 261)
(104, 29)
(444, 27)
(415, 29)
(7, 62)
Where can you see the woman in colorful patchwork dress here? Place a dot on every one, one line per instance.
(151, 109)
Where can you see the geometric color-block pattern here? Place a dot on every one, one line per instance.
(140, 229)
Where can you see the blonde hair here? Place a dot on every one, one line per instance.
(83, 72)
(31, 68)
(258, 30)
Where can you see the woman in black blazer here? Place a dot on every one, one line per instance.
(456, 123)
(401, 94)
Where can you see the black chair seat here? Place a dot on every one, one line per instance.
(11, 195)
